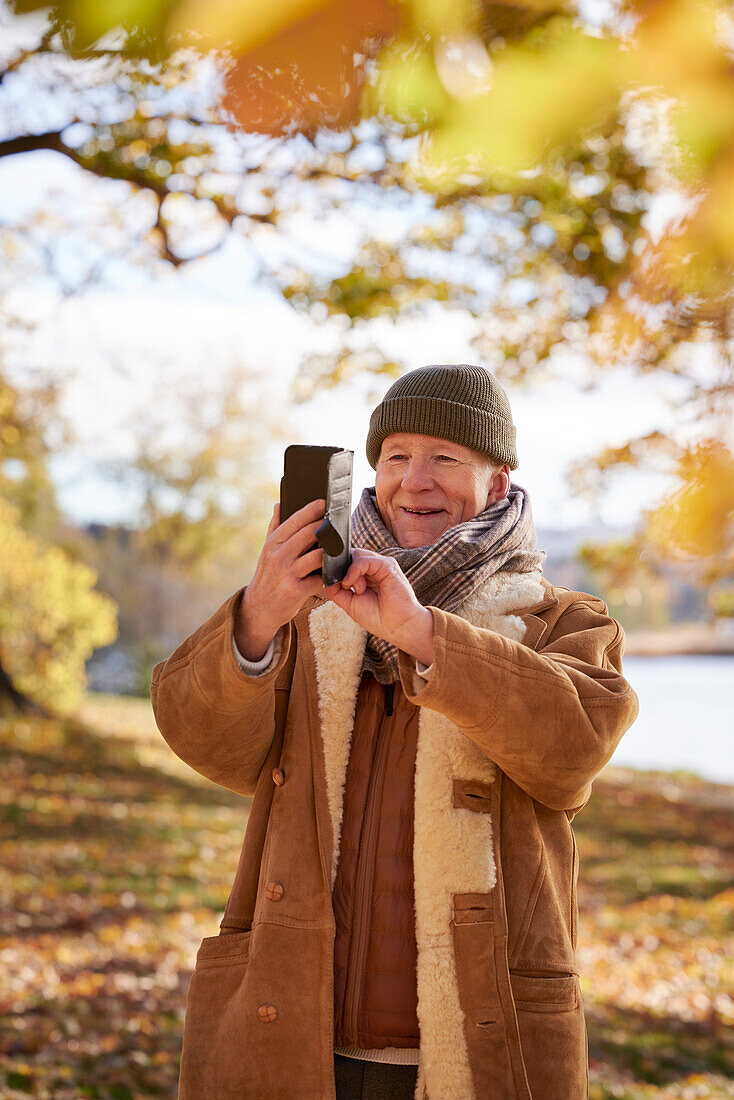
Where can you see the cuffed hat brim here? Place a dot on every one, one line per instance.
(464, 404)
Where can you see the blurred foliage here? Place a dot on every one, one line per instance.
(25, 417)
(196, 464)
(51, 618)
(197, 461)
(697, 521)
(497, 91)
(693, 526)
(147, 125)
(540, 134)
(118, 859)
(722, 601)
(379, 286)
(320, 371)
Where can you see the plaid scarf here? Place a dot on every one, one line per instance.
(444, 574)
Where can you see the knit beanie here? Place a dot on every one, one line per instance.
(463, 403)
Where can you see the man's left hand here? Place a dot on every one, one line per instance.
(383, 602)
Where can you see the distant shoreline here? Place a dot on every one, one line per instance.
(684, 639)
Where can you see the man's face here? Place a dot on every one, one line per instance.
(424, 472)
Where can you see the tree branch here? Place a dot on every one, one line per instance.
(42, 47)
(52, 140)
(27, 143)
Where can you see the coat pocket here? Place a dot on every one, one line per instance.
(226, 949)
(544, 990)
(217, 1020)
(550, 1017)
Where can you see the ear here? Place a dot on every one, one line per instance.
(499, 485)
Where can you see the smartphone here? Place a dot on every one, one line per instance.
(312, 473)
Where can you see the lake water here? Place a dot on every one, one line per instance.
(686, 715)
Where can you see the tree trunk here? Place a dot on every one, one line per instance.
(13, 701)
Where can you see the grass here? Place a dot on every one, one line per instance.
(117, 859)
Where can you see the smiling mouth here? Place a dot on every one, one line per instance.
(433, 513)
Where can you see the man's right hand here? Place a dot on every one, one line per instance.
(281, 584)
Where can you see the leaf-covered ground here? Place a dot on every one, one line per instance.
(117, 859)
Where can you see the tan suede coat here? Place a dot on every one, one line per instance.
(524, 706)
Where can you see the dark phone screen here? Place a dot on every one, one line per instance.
(305, 477)
(314, 473)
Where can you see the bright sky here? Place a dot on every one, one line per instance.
(210, 315)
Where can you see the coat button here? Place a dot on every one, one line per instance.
(267, 1013)
(278, 777)
(274, 891)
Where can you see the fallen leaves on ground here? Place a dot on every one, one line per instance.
(117, 860)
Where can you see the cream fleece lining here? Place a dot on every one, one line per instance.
(452, 846)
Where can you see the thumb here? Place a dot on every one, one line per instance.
(274, 519)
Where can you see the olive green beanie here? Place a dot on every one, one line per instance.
(463, 403)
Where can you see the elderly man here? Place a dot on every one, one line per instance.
(417, 740)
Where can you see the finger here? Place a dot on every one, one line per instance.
(313, 508)
(318, 585)
(274, 519)
(308, 562)
(305, 538)
(358, 568)
(341, 598)
(294, 523)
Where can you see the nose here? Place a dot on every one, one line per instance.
(417, 476)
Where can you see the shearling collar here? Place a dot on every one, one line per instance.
(549, 599)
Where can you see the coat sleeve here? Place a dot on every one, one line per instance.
(550, 719)
(214, 716)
